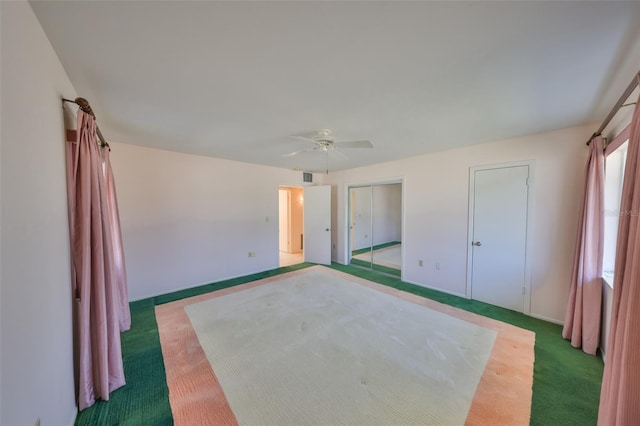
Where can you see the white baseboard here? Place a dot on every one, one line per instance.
(436, 289)
(542, 317)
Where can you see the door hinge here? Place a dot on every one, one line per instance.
(524, 291)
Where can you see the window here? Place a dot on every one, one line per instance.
(614, 176)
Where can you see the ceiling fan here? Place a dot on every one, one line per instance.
(324, 141)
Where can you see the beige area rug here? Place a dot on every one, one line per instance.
(317, 346)
(388, 256)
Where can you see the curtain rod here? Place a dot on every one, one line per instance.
(630, 88)
(84, 106)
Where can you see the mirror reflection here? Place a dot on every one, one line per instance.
(375, 214)
(360, 214)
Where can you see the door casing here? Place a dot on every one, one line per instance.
(347, 216)
(528, 245)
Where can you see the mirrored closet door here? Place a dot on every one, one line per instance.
(375, 227)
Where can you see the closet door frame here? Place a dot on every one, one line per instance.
(347, 215)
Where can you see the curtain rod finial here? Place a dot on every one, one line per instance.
(84, 105)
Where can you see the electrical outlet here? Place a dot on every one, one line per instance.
(420, 262)
(252, 254)
(437, 266)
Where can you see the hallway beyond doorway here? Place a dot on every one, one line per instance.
(288, 259)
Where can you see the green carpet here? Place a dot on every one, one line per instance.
(378, 247)
(385, 269)
(566, 384)
(145, 398)
(566, 381)
(380, 268)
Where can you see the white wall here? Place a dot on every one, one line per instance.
(36, 303)
(189, 220)
(436, 211)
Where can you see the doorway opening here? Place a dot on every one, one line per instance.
(291, 221)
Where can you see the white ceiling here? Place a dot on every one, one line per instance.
(234, 79)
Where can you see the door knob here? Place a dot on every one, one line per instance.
(476, 243)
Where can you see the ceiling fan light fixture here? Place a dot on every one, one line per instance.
(324, 141)
(324, 132)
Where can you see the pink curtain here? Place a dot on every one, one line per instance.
(620, 395)
(124, 314)
(99, 283)
(582, 318)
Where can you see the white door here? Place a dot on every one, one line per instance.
(499, 236)
(317, 224)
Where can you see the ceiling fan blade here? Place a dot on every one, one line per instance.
(338, 155)
(294, 153)
(304, 138)
(355, 144)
